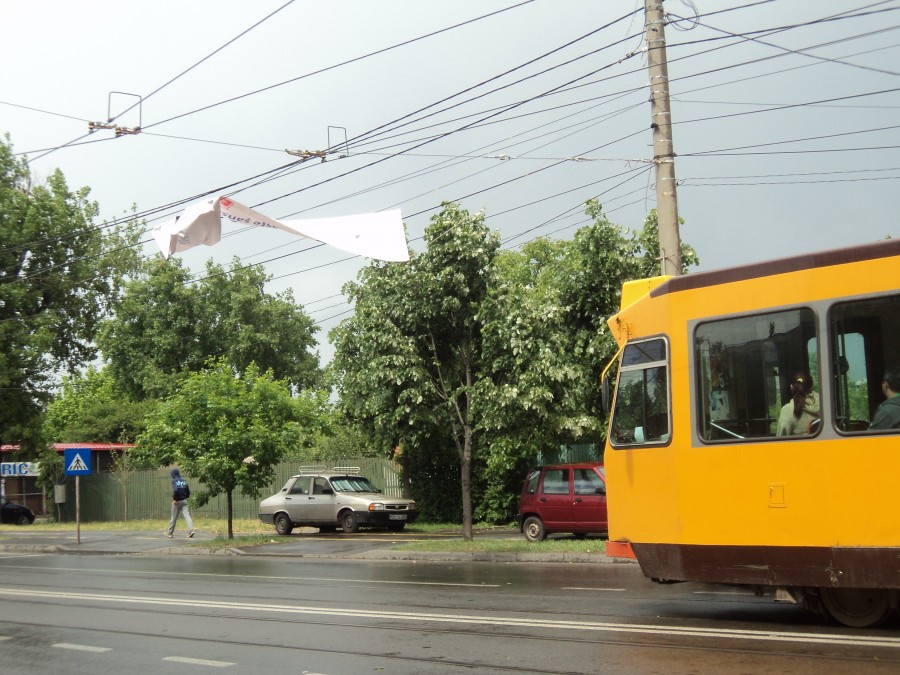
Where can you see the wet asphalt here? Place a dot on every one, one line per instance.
(359, 546)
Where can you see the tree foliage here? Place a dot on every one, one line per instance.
(165, 327)
(90, 408)
(497, 353)
(228, 432)
(59, 274)
(408, 361)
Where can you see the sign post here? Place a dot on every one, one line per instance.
(77, 462)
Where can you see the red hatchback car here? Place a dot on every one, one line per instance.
(563, 498)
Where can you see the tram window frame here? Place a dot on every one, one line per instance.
(742, 370)
(640, 358)
(873, 322)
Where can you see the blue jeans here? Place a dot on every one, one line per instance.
(182, 508)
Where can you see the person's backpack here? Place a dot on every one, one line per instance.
(181, 490)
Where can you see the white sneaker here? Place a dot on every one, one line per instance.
(190, 534)
(169, 535)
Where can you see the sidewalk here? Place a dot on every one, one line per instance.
(21, 540)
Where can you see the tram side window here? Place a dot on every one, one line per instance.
(744, 368)
(641, 413)
(865, 340)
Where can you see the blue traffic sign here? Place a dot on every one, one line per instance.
(77, 461)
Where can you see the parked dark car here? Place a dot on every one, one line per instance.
(563, 498)
(15, 514)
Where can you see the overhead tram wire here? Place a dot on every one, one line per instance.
(208, 193)
(283, 168)
(348, 258)
(464, 23)
(362, 137)
(350, 310)
(822, 137)
(761, 75)
(155, 210)
(155, 91)
(163, 86)
(288, 166)
(456, 161)
(419, 213)
(742, 39)
(353, 143)
(804, 52)
(769, 31)
(443, 135)
(641, 169)
(343, 63)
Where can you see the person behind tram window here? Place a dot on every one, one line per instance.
(887, 415)
(804, 409)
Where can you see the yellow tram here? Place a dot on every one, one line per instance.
(705, 483)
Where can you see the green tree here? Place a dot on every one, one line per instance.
(59, 274)
(545, 344)
(166, 327)
(53, 474)
(227, 432)
(408, 361)
(648, 249)
(499, 352)
(91, 408)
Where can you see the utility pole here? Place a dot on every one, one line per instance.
(663, 148)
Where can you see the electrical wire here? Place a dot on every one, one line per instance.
(712, 118)
(160, 88)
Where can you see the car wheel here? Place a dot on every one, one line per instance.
(533, 529)
(349, 521)
(283, 524)
(23, 519)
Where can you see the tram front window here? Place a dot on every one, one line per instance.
(641, 413)
(744, 368)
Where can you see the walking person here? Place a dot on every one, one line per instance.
(181, 491)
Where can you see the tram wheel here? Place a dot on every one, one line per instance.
(857, 607)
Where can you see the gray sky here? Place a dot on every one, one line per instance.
(786, 123)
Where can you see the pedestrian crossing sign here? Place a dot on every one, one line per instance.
(77, 461)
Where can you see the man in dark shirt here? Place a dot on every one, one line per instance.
(887, 416)
(181, 491)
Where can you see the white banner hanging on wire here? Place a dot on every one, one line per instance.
(374, 235)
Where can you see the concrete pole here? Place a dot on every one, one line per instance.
(663, 147)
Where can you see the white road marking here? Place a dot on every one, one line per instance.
(81, 648)
(255, 576)
(198, 662)
(5, 637)
(473, 619)
(589, 588)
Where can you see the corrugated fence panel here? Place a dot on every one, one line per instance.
(148, 494)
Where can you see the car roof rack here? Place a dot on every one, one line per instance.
(354, 470)
(314, 468)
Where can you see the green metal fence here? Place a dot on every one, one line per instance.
(148, 494)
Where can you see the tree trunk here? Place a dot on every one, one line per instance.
(466, 482)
